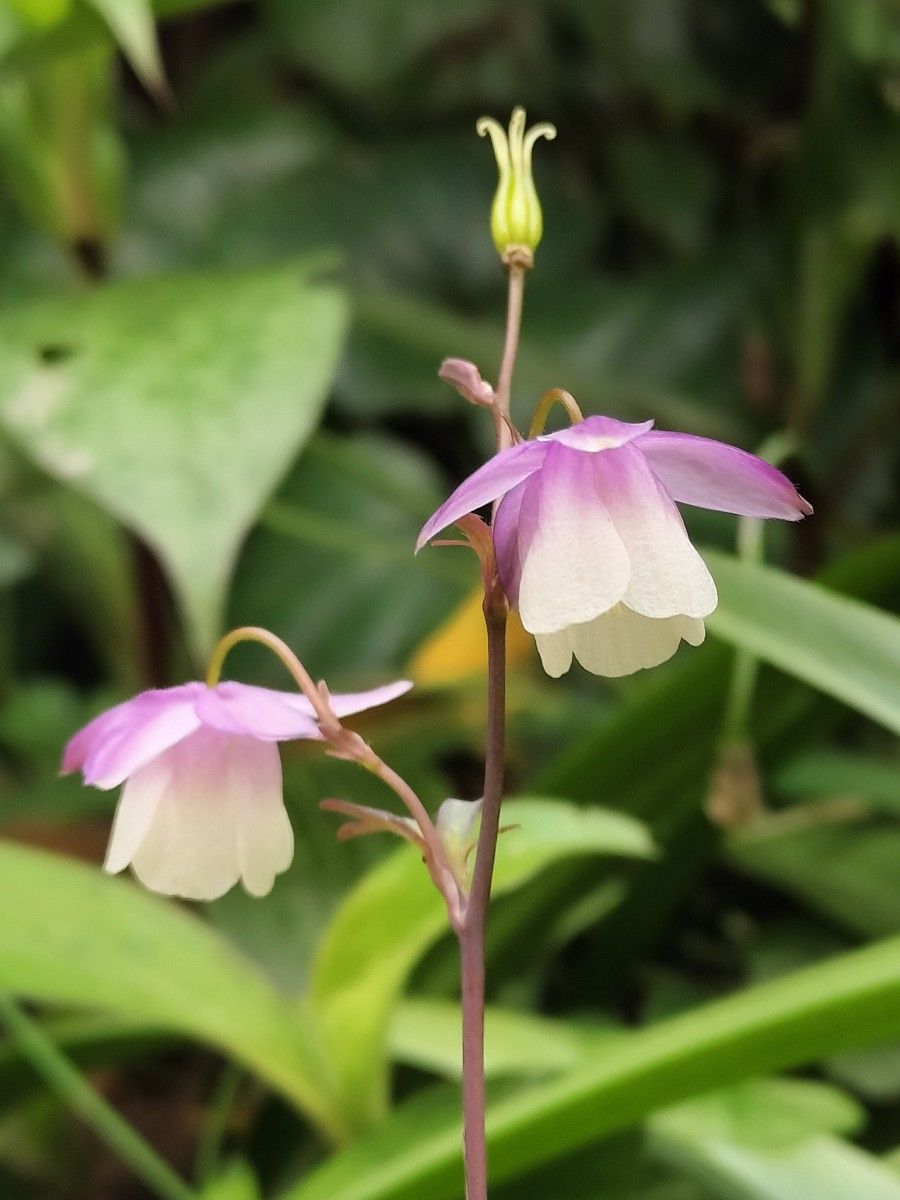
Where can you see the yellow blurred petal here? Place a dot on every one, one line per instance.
(458, 649)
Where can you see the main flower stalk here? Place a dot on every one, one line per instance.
(471, 931)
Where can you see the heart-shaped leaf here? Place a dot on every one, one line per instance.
(177, 403)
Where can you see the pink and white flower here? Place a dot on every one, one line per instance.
(202, 804)
(591, 547)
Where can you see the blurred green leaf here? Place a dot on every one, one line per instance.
(183, 447)
(425, 1032)
(667, 186)
(282, 934)
(233, 187)
(15, 560)
(236, 1182)
(61, 153)
(873, 31)
(847, 649)
(872, 1074)
(332, 570)
(362, 46)
(659, 740)
(36, 1149)
(132, 24)
(45, 28)
(429, 329)
(394, 915)
(819, 1168)
(617, 1169)
(38, 717)
(175, 8)
(851, 1000)
(85, 558)
(652, 753)
(823, 774)
(842, 194)
(648, 49)
(764, 1115)
(41, 12)
(789, 11)
(73, 936)
(836, 866)
(89, 1041)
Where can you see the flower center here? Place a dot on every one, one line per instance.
(597, 442)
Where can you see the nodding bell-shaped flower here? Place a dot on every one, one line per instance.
(590, 544)
(516, 219)
(202, 804)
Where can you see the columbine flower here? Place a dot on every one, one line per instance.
(591, 547)
(202, 803)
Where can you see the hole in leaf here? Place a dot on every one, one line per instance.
(55, 352)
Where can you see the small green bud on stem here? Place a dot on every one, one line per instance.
(516, 219)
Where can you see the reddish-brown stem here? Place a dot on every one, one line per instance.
(472, 932)
(471, 959)
(479, 895)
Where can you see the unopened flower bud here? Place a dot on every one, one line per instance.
(466, 378)
(457, 826)
(735, 798)
(516, 219)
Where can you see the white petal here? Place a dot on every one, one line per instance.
(266, 839)
(668, 576)
(574, 565)
(197, 843)
(621, 641)
(693, 631)
(134, 813)
(555, 650)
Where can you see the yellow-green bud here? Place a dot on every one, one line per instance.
(516, 219)
(457, 826)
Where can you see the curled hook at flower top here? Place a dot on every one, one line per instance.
(516, 219)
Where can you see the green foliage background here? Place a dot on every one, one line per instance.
(236, 241)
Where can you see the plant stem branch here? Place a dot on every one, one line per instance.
(435, 855)
(283, 652)
(471, 959)
(503, 392)
(70, 1085)
(215, 1124)
(495, 752)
